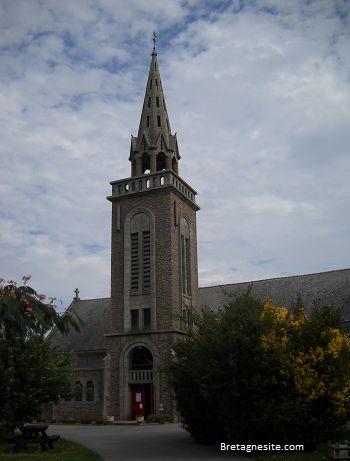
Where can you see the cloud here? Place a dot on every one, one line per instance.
(257, 91)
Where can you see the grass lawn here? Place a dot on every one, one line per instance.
(63, 451)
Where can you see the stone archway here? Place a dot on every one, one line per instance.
(139, 374)
(140, 380)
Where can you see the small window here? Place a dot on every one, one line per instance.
(187, 318)
(184, 317)
(164, 104)
(147, 120)
(183, 264)
(158, 120)
(156, 83)
(135, 319)
(167, 122)
(157, 101)
(147, 319)
(188, 265)
(78, 391)
(68, 396)
(90, 391)
(149, 102)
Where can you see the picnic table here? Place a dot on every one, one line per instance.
(33, 433)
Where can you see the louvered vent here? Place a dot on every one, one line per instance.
(146, 259)
(134, 261)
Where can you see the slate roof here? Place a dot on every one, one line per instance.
(93, 313)
(331, 287)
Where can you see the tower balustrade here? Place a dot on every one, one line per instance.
(144, 183)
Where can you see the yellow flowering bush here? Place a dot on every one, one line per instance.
(315, 358)
(256, 371)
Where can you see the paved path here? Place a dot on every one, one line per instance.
(166, 442)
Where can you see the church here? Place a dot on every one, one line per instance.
(125, 346)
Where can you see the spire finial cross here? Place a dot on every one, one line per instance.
(76, 291)
(154, 40)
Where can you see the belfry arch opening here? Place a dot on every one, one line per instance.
(161, 161)
(175, 166)
(146, 168)
(141, 382)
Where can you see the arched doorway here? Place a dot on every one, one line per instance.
(141, 382)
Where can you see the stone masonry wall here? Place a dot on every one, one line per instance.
(81, 411)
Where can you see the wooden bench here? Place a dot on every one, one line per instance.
(33, 434)
(50, 439)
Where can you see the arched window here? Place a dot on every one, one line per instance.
(90, 391)
(185, 256)
(139, 270)
(141, 359)
(78, 391)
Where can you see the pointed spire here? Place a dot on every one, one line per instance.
(154, 148)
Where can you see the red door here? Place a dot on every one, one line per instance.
(137, 400)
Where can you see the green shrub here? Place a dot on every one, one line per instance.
(70, 420)
(160, 419)
(98, 421)
(256, 373)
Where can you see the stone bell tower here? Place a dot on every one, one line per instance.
(154, 283)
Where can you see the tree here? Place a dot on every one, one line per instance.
(254, 372)
(31, 374)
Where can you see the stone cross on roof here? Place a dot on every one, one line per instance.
(76, 298)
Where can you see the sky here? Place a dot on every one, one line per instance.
(257, 91)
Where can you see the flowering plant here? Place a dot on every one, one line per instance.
(31, 374)
(23, 309)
